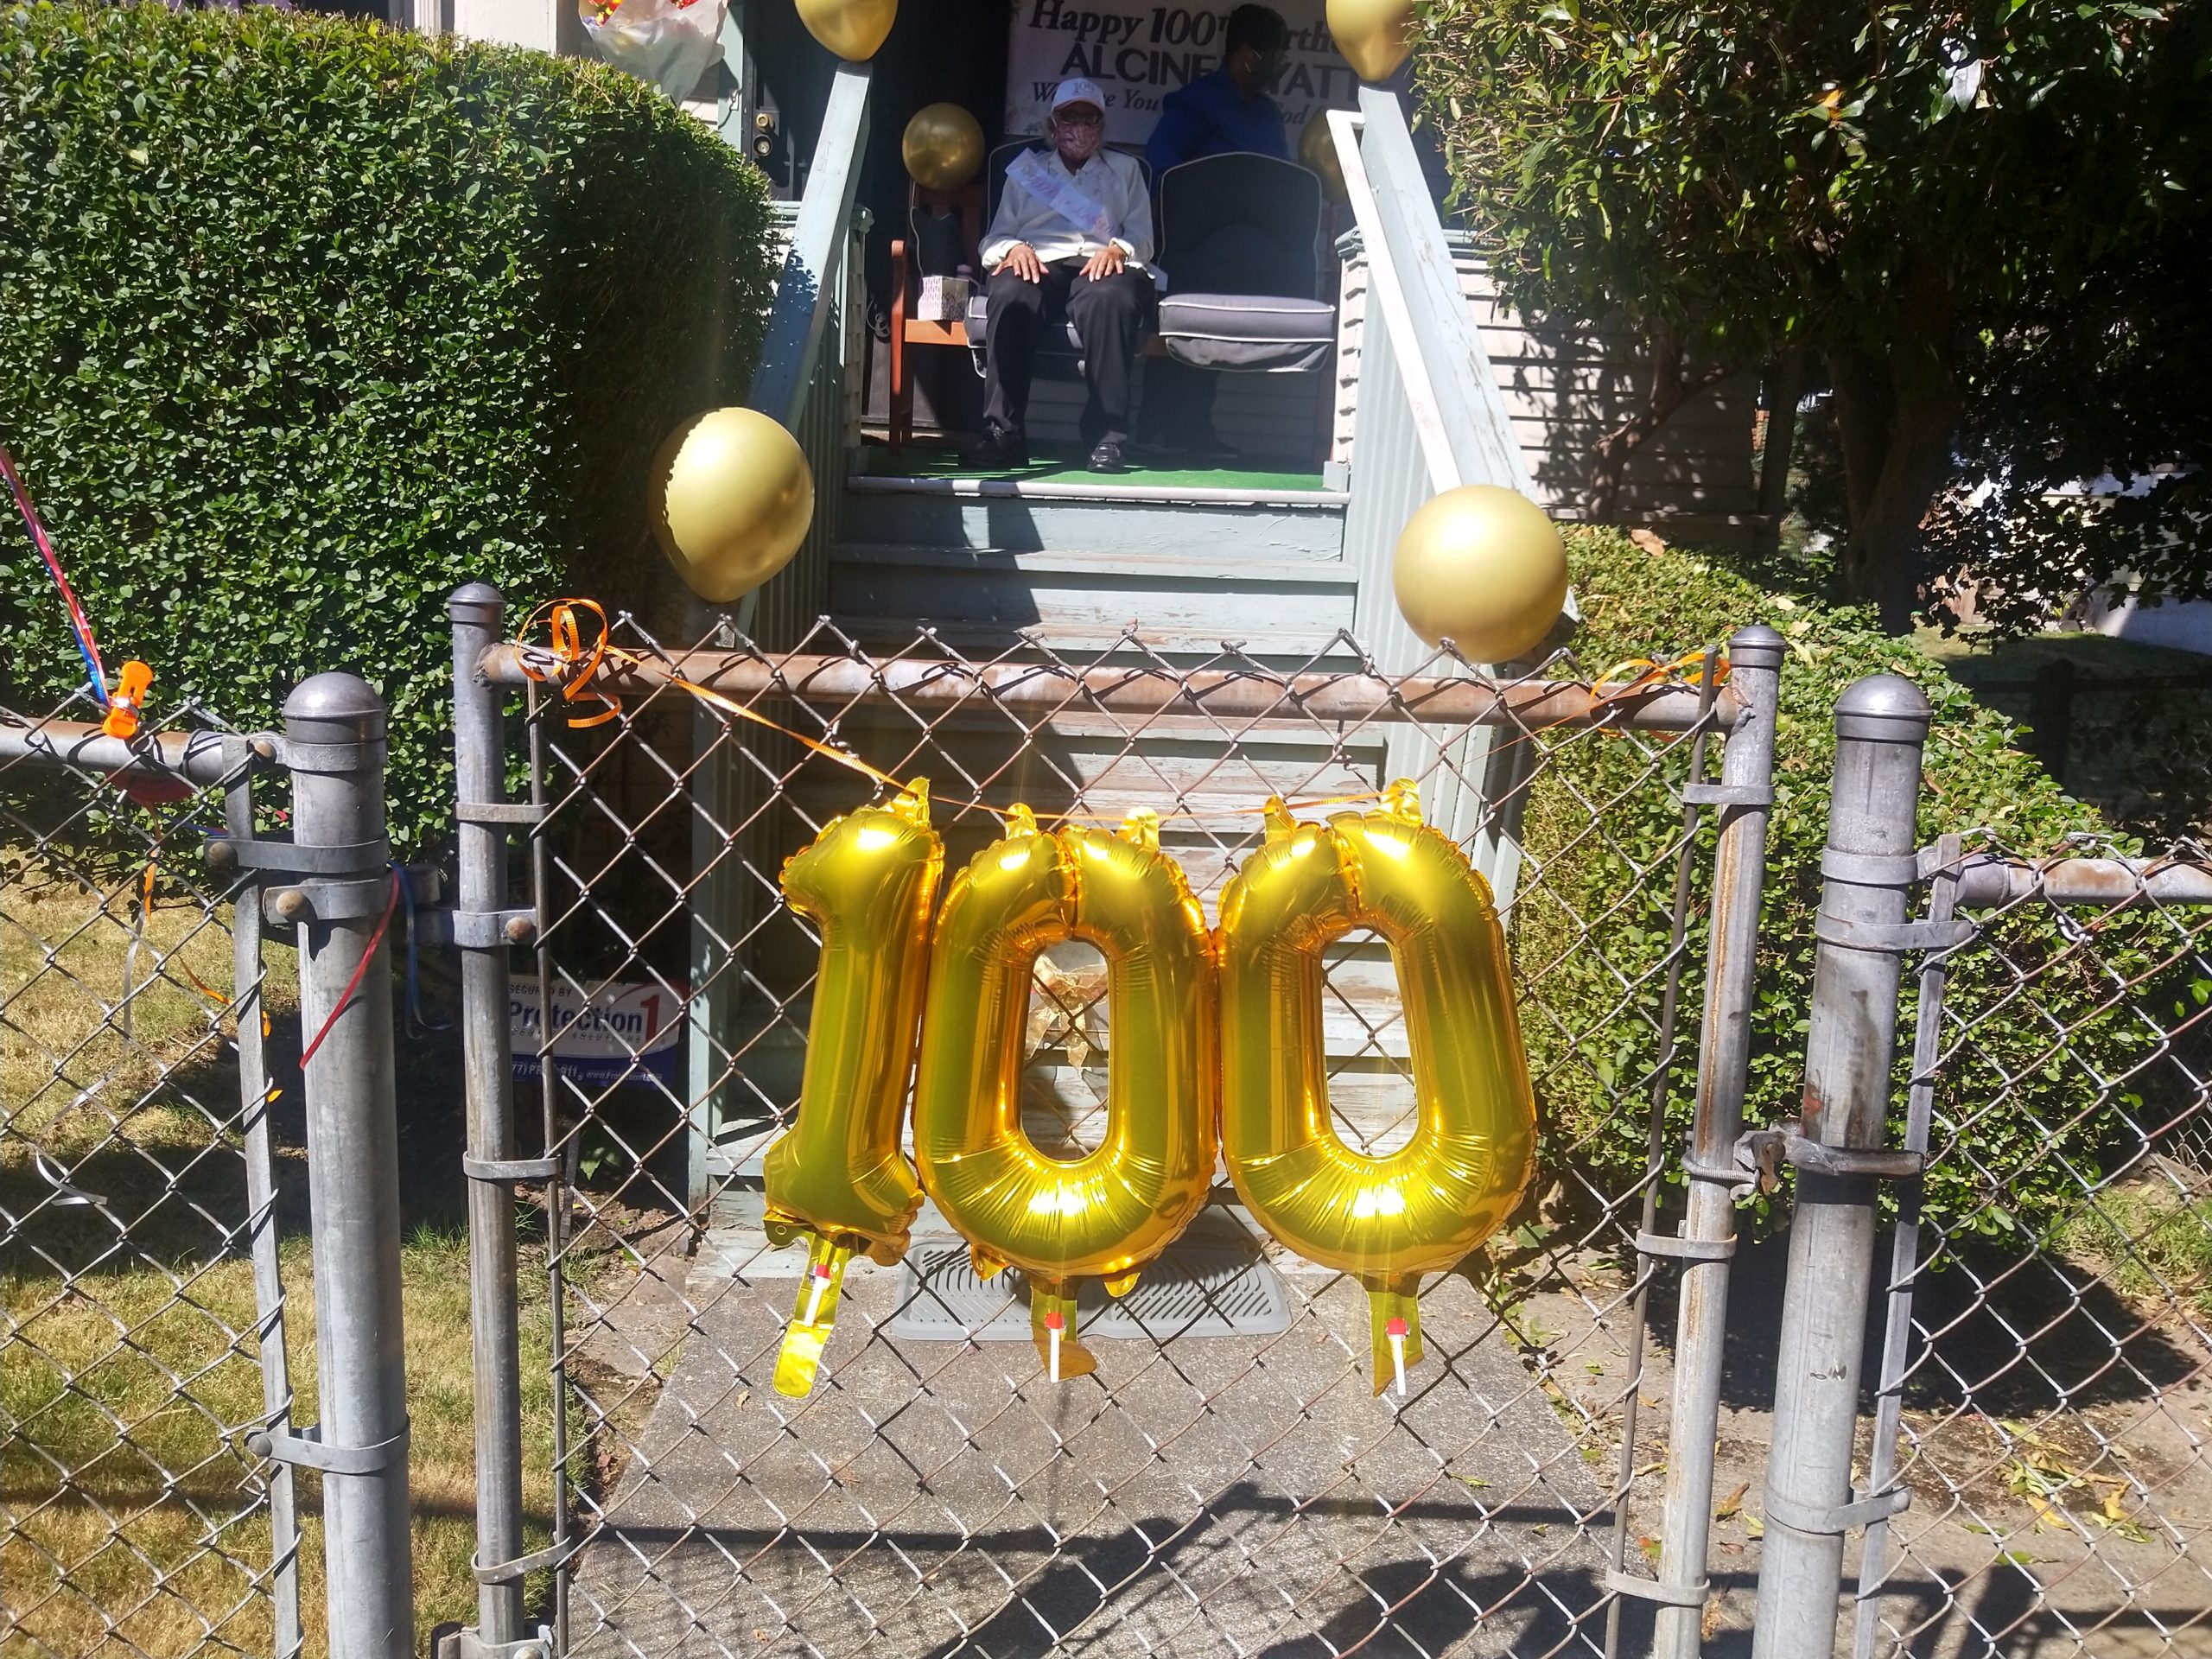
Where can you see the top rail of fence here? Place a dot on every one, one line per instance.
(197, 756)
(1990, 881)
(1145, 689)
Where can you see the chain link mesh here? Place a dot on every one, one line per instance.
(2051, 1408)
(1197, 1494)
(134, 1521)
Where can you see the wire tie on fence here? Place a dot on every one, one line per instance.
(1892, 938)
(307, 1449)
(1684, 1248)
(508, 1572)
(1673, 1595)
(1835, 1518)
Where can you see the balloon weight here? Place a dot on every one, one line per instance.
(1484, 568)
(943, 147)
(732, 497)
(1374, 36)
(853, 29)
(1316, 150)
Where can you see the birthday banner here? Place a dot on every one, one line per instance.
(1140, 54)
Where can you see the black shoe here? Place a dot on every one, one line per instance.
(996, 453)
(1107, 457)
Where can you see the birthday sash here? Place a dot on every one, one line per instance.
(1070, 203)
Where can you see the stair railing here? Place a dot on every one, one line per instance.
(809, 379)
(1428, 418)
(812, 353)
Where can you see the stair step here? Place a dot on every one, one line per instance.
(998, 514)
(1103, 490)
(1088, 600)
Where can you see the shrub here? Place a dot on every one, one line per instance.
(1992, 1168)
(308, 322)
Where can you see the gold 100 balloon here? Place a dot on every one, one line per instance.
(1218, 1049)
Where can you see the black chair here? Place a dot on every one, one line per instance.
(1239, 236)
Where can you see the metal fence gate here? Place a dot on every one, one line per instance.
(149, 1505)
(2025, 1260)
(1226, 1480)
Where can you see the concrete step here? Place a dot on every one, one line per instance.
(1089, 601)
(1264, 525)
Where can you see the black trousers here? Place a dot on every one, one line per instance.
(1109, 317)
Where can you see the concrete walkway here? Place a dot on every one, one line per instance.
(1211, 1496)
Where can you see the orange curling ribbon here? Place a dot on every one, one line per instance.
(576, 664)
(1644, 672)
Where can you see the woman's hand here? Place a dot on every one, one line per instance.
(1107, 261)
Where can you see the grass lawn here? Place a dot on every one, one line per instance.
(130, 1516)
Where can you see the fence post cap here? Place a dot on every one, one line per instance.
(1882, 708)
(335, 708)
(475, 601)
(1757, 646)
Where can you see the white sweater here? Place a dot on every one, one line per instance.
(1109, 178)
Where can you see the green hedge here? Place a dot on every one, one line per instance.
(2003, 1153)
(307, 322)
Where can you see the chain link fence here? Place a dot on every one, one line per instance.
(141, 1303)
(1227, 1480)
(2045, 1386)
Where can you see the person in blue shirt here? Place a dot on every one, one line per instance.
(1229, 109)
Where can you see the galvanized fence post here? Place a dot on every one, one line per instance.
(1869, 870)
(485, 929)
(343, 902)
(256, 1093)
(1745, 799)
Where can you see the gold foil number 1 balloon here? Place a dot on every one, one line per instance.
(1389, 1219)
(1108, 1213)
(839, 1179)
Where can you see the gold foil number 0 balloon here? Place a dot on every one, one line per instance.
(1387, 1219)
(868, 881)
(1108, 1213)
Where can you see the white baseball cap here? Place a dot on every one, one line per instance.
(1077, 90)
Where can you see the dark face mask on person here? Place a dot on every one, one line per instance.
(1077, 137)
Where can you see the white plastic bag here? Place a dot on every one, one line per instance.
(670, 43)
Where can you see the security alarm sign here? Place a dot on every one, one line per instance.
(624, 1033)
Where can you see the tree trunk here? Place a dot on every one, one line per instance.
(1785, 386)
(1667, 390)
(1897, 414)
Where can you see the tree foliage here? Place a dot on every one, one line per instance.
(1910, 195)
(307, 322)
(1590, 920)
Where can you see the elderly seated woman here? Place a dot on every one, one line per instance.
(1068, 246)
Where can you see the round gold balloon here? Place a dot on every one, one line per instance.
(732, 497)
(1484, 568)
(943, 147)
(1386, 1220)
(853, 29)
(1109, 1212)
(1317, 150)
(1375, 36)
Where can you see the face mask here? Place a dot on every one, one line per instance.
(1078, 144)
